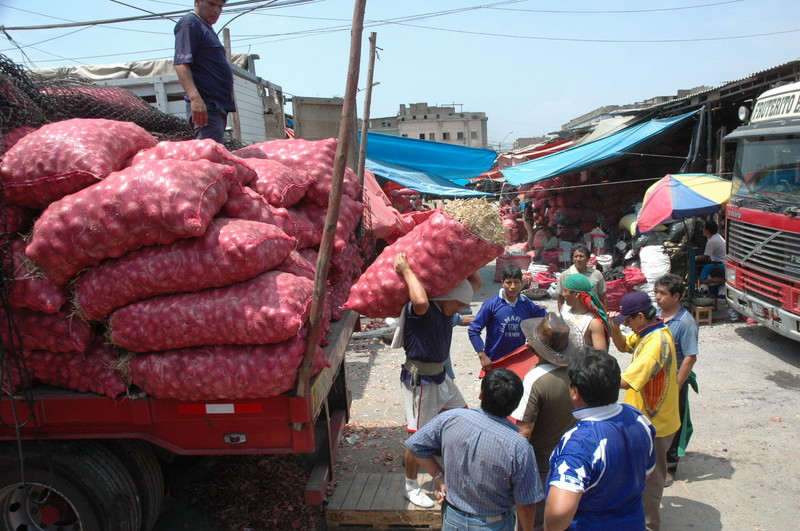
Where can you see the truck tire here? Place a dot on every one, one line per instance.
(143, 465)
(76, 485)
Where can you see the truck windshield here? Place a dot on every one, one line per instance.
(766, 175)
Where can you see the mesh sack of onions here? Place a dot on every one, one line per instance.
(445, 249)
(63, 157)
(29, 289)
(221, 372)
(266, 309)
(56, 332)
(201, 149)
(92, 371)
(230, 251)
(157, 202)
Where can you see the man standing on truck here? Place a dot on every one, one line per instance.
(203, 70)
(426, 326)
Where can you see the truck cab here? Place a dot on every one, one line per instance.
(763, 217)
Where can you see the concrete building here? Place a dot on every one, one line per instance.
(439, 124)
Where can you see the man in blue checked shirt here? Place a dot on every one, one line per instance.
(489, 479)
(598, 470)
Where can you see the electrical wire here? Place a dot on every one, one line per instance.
(615, 11)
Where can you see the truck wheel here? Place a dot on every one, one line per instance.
(145, 469)
(76, 485)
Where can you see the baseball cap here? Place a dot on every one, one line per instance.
(631, 304)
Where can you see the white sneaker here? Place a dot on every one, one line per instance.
(419, 499)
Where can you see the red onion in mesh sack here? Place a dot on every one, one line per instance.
(297, 264)
(314, 159)
(158, 202)
(61, 158)
(56, 332)
(29, 290)
(224, 372)
(279, 184)
(90, 372)
(349, 215)
(269, 308)
(230, 251)
(442, 253)
(246, 203)
(201, 149)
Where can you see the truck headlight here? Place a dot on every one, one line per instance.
(730, 275)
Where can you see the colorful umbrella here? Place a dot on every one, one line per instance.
(682, 196)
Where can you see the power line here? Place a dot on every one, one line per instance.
(614, 12)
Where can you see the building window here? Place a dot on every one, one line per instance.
(425, 117)
(460, 135)
(386, 123)
(473, 135)
(445, 136)
(431, 136)
(404, 135)
(422, 136)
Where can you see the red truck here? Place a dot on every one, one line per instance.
(763, 217)
(93, 462)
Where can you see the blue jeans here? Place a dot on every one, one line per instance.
(455, 520)
(215, 128)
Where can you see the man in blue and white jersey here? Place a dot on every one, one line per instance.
(598, 470)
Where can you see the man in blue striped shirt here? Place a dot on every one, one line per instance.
(491, 470)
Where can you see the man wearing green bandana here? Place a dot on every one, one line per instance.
(585, 311)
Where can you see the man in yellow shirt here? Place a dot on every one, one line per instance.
(651, 384)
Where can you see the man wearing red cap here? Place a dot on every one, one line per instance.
(651, 384)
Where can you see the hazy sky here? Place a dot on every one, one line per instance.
(530, 65)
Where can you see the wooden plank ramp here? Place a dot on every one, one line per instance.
(375, 501)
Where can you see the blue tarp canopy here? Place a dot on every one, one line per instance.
(427, 167)
(595, 153)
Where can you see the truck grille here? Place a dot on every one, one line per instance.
(772, 257)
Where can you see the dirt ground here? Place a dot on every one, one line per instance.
(741, 468)
(740, 472)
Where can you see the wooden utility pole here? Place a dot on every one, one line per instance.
(346, 130)
(237, 126)
(362, 151)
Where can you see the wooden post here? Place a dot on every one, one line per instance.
(362, 151)
(346, 129)
(237, 126)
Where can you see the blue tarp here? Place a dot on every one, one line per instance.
(425, 166)
(426, 183)
(581, 157)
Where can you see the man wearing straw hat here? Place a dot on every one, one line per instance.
(651, 384)
(425, 329)
(545, 411)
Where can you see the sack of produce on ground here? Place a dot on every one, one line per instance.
(345, 262)
(63, 157)
(56, 332)
(93, 371)
(202, 149)
(231, 250)
(29, 289)
(269, 308)
(279, 184)
(245, 203)
(7, 140)
(350, 213)
(452, 244)
(224, 372)
(313, 159)
(155, 203)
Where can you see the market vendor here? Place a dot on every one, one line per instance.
(580, 264)
(549, 242)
